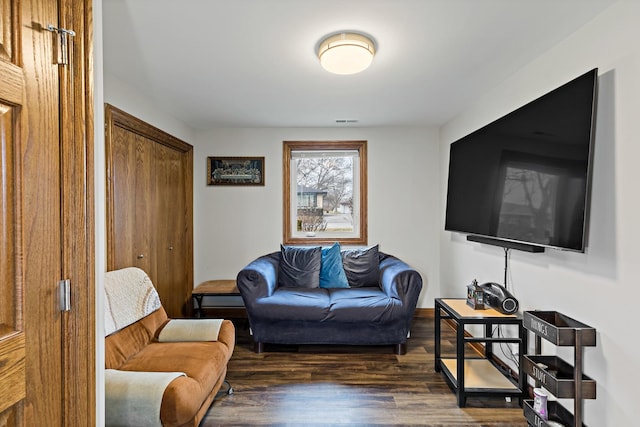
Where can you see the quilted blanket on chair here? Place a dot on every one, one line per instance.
(130, 296)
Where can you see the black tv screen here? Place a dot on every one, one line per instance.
(525, 177)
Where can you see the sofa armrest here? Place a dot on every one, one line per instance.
(190, 330)
(135, 398)
(399, 280)
(259, 278)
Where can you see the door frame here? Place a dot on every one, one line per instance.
(78, 206)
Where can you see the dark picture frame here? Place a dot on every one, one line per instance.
(240, 171)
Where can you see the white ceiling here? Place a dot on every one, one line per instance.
(252, 63)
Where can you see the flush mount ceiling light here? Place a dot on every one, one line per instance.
(346, 53)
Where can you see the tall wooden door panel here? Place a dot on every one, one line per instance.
(124, 198)
(150, 206)
(42, 216)
(145, 209)
(133, 208)
(44, 125)
(31, 344)
(171, 227)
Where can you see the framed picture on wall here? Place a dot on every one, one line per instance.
(235, 170)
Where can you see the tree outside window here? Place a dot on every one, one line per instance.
(325, 192)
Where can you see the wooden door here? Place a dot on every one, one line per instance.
(46, 231)
(172, 236)
(150, 206)
(31, 208)
(133, 206)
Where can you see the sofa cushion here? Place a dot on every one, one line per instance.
(124, 344)
(362, 266)
(299, 267)
(366, 304)
(332, 273)
(292, 303)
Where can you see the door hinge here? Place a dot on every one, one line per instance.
(64, 292)
(63, 34)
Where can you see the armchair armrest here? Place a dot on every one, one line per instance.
(399, 280)
(135, 398)
(190, 330)
(259, 278)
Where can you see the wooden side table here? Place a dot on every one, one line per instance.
(478, 375)
(213, 288)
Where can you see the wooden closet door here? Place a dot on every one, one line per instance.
(132, 206)
(150, 205)
(171, 227)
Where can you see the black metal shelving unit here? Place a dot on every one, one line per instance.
(561, 379)
(477, 376)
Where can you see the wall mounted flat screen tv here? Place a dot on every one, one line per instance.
(525, 178)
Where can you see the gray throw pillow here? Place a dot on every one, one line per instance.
(299, 267)
(362, 266)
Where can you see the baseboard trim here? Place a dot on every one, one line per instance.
(225, 312)
(428, 313)
(241, 312)
(423, 313)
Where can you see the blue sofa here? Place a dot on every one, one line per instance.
(375, 311)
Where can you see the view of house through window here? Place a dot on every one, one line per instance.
(324, 191)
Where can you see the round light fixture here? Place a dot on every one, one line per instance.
(346, 53)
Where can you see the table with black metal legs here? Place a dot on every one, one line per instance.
(480, 375)
(213, 288)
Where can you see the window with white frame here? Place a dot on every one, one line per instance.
(325, 192)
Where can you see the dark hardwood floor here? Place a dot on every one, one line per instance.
(349, 385)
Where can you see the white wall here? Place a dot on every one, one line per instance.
(234, 225)
(600, 287)
(127, 98)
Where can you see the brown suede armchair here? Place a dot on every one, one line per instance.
(144, 358)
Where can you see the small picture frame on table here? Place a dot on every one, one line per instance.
(242, 171)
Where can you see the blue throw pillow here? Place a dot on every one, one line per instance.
(332, 273)
(299, 267)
